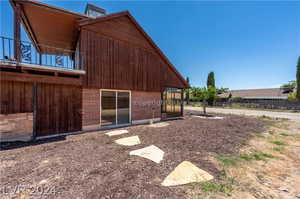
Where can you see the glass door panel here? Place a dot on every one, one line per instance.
(172, 102)
(108, 108)
(123, 107)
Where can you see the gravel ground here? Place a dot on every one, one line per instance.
(92, 166)
(272, 114)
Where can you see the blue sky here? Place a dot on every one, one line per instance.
(248, 44)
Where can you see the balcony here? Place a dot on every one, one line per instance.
(28, 55)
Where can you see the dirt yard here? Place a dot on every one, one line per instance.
(91, 165)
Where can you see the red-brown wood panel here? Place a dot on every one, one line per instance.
(58, 109)
(114, 64)
(122, 29)
(16, 97)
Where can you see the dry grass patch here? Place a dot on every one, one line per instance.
(267, 167)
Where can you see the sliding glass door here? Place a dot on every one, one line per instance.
(123, 103)
(108, 108)
(115, 107)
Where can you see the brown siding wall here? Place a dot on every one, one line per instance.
(143, 104)
(115, 64)
(90, 107)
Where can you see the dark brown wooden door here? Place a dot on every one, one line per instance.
(58, 109)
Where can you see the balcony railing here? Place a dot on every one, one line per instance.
(47, 56)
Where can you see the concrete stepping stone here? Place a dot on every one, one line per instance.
(150, 152)
(128, 141)
(116, 132)
(186, 173)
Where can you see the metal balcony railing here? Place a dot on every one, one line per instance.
(47, 56)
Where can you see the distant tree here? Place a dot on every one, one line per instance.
(289, 87)
(222, 90)
(212, 95)
(211, 80)
(187, 91)
(207, 95)
(229, 96)
(292, 96)
(298, 80)
(196, 93)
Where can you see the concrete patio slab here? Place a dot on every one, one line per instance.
(212, 118)
(128, 141)
(158, 125)
(150, 152)
(116, 132)
(186, 173)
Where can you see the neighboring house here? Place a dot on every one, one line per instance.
(261, 94)
(82, 72)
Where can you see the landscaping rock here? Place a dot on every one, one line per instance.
(151, 152)
(128, 141)
(116, 132)
(283, 189)
(186, 173)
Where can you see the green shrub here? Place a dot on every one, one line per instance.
(226, 188)
(228, 160)
(258, 155)
(279, 149)
(235, 99)
(259, 135)
(279, 143)
(246, 157)
(292, 97)
(284, 134)
(196, 105)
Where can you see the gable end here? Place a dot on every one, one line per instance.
(119, 26)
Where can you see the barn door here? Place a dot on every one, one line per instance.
(58, 109)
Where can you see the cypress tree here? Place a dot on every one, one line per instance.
(298, 80)
(187, 93)
(211, 80)
(211, 86)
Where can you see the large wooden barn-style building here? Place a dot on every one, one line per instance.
(82, 72)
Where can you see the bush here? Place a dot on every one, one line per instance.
(236, 99)
(196, 105)
(292, 97)
(279, 143)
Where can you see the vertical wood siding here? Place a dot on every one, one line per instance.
(122, 29)
(16, 97)
(58, 109)
(114, 64)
